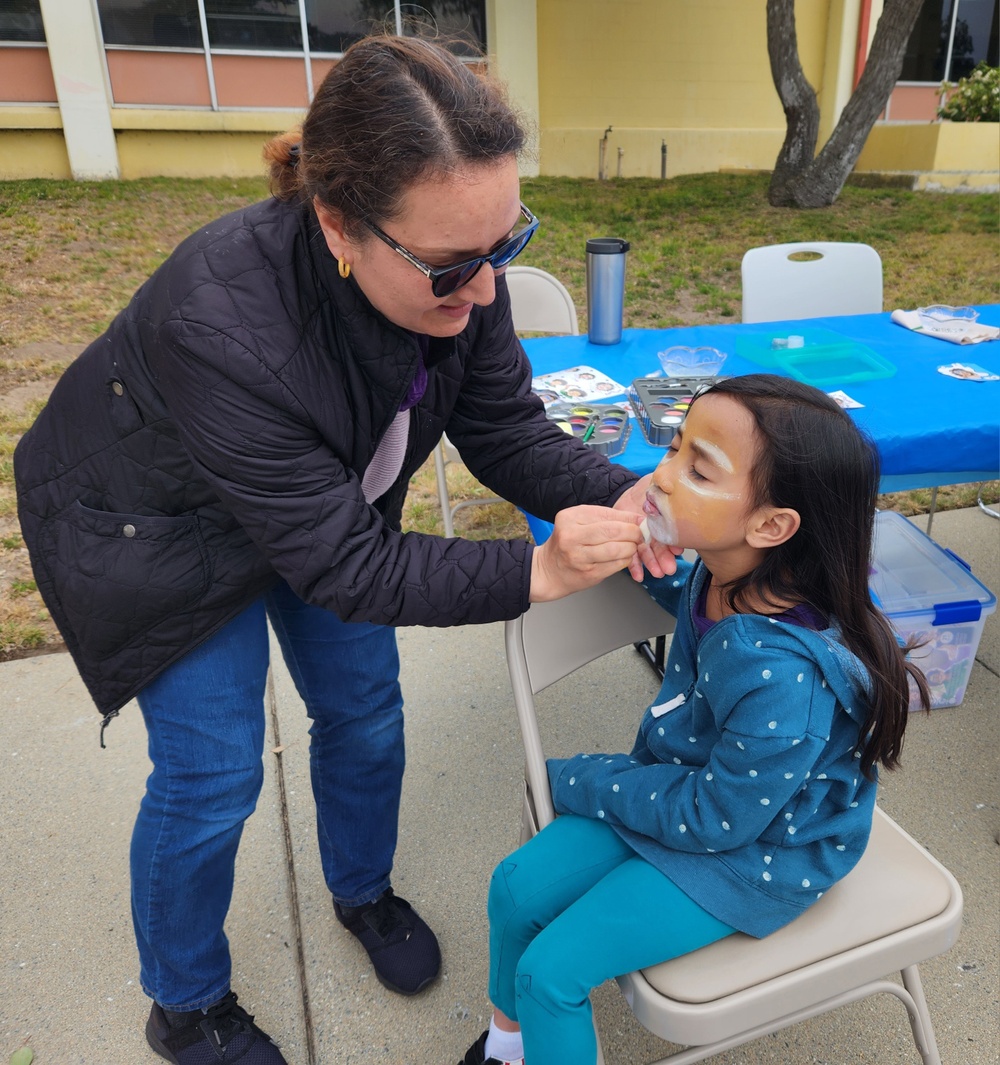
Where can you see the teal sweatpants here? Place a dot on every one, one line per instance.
(573, 907)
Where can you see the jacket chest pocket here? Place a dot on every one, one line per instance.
(124, 413)
(117, 575)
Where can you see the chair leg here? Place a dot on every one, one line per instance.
(911, 995)
(920, 1018)
(442, 487)
(930, 513)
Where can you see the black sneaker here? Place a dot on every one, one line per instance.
(403, 950)
(476, 1054)
(223, 1033)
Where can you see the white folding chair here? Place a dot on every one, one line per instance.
(897, 907)
(539, 304)
(810, 280)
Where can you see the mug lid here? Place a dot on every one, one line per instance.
(607, 246)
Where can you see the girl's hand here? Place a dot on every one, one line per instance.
(659, 559)
(587, 544)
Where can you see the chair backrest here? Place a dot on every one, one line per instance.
(810, 280)
(552, 640)
(539, 302)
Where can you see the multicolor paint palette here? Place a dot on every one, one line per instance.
(604, 428)
(660, 405)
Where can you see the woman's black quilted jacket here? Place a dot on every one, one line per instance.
(215, 437)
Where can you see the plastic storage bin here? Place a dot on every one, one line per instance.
(927, 590)
(824, 358)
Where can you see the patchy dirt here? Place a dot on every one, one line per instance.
(27, 375)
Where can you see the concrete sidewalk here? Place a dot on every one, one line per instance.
(68, 966)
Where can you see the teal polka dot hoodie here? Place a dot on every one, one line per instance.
(744, 785)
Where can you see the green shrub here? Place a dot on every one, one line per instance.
(975, 98)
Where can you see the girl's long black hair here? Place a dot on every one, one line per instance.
(814, 459)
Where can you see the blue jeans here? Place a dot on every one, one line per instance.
(573, 907)
(205, 718)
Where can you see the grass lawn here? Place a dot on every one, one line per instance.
(72, 254)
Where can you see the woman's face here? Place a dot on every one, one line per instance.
(701, 490)
(444, 219)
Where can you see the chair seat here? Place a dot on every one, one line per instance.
(893, 888)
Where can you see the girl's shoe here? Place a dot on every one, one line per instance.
(476, 1054)
(218, 1035)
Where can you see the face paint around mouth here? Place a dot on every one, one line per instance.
(661, 524)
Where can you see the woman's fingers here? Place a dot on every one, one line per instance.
(587, 544)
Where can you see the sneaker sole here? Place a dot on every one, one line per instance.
(403, 991)
(154, 1042)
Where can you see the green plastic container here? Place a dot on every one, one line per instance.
(827, 359)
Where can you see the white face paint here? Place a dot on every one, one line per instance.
(662, 526)
(715, 453)
(704, 490)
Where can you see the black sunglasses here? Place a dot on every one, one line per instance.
(447, 279)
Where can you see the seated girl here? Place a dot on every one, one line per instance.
(750, 788)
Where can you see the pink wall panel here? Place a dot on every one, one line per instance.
(176, 79)
(260, 81)
(26, 76)
(914, 103)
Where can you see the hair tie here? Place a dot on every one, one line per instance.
(343, 267)
(293, 154)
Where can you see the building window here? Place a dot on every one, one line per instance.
(335, 24)
(151, 23)
(276, 25)
(21, 21)
(950, 38)
(254, 25)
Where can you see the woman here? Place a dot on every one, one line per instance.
(237, 446)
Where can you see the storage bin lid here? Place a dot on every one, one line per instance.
(911, 574)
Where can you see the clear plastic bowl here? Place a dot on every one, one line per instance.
(941, 312)
(691, 362)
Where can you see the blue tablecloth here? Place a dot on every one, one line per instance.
(930, 429)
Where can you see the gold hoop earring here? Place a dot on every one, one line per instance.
(344, 268)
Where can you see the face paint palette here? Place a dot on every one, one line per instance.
(604, 428)
(660, 404)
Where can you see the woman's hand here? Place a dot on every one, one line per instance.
(587, 544)
(659, 559)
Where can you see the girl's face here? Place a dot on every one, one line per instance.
(700, 492)
(444, 219)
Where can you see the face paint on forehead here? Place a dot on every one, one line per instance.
(715, 453)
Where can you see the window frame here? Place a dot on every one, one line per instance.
(304, 53)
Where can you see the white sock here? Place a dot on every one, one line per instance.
(504, 1046)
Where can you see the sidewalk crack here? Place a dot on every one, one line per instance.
(293, 889)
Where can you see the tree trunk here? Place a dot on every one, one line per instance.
(798, 101)
(816, 182)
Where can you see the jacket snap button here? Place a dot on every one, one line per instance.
(128, 530)
(117, 388)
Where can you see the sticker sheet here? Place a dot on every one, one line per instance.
(582, 383)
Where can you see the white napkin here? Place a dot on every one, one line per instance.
(955, 330)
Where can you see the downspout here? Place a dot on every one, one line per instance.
(861, 53)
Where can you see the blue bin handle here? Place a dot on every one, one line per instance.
(958, 558)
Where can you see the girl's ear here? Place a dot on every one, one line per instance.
(332, 225)
(771, 526)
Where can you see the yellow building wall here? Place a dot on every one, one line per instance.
(32, 144)
(945, 154)
(192, 144)
(694, 74)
